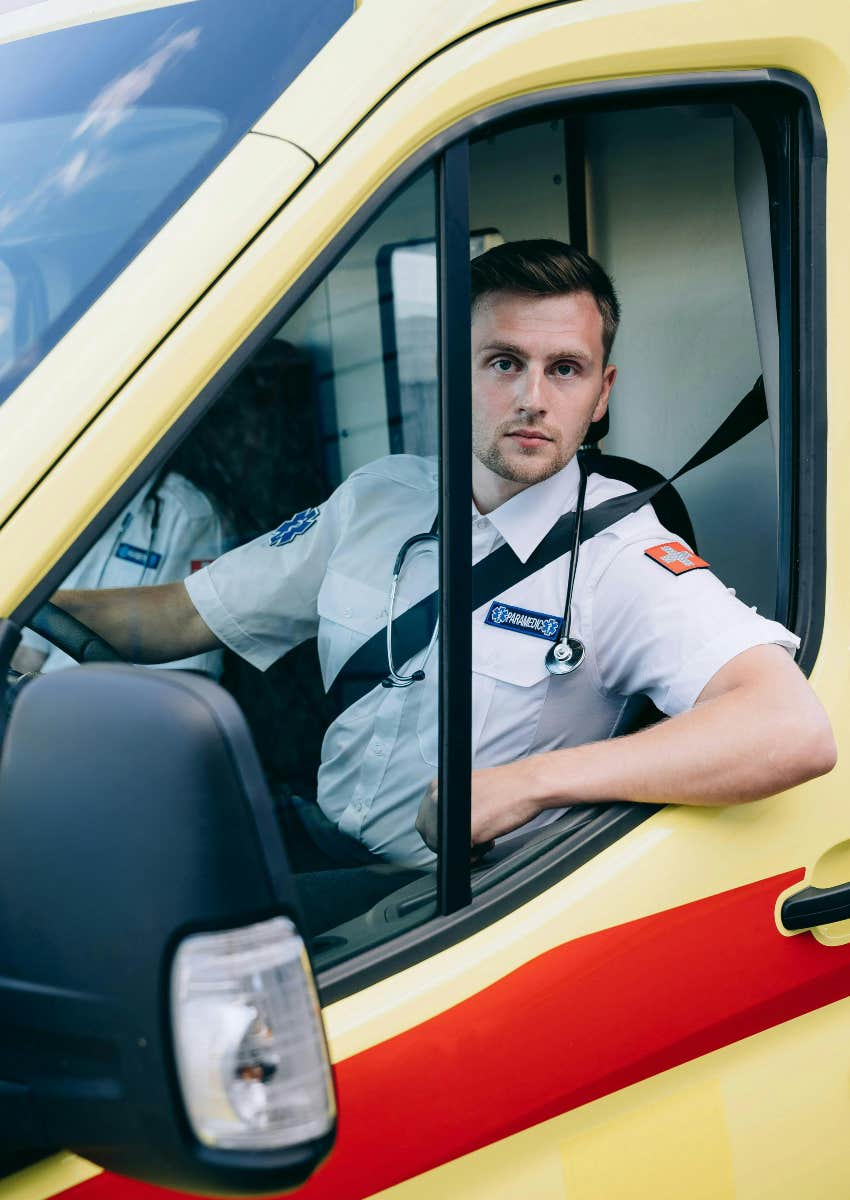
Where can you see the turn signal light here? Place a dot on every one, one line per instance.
(251, 1054)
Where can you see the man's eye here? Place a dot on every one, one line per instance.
(503, 365)
(565, 370)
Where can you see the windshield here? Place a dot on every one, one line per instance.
(107, 127)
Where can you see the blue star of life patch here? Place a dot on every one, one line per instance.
(522, 620)
(294, 527)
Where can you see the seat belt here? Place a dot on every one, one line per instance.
(501, 569)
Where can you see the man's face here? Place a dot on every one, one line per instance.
(537, 383)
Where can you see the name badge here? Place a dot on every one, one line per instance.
(149, 559)
(523, 620)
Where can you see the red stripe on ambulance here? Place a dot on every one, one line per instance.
(577, 1023)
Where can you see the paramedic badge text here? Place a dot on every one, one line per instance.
(521, 620)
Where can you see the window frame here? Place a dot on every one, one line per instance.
(797, 169)
(389, 341)
(455, 399)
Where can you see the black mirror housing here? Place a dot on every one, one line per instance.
(133, 812)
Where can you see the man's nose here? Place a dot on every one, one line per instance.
(532, 395)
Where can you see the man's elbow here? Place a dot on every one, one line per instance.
(812, 747)
(824, 751)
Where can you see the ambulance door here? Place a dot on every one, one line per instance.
(631, 1021)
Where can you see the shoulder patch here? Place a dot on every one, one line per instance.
(294, 527)
(675, 557)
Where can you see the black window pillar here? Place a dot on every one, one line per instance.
(455, 531)
(575, 162)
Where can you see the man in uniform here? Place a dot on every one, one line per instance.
(654, 621)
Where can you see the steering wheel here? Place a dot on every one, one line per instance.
(72, 636)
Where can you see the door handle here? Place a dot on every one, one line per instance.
(816, 906)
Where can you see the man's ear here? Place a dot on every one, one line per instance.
(609, 374)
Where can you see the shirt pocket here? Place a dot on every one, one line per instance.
(350, 613)
(507, 656)
(499, 657)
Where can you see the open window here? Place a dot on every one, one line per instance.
(703, 200)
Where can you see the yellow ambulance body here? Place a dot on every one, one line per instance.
(635, 1020)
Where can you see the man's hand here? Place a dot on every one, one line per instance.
(500, 804)
(427, 822)
(28, 660)
(500, 801)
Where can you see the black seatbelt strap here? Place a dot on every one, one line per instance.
(412, 630)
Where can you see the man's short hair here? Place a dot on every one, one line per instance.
(545, 267)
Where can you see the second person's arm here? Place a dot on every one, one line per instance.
(145, 624)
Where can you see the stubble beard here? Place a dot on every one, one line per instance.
(530, 466)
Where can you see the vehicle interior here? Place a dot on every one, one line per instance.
(672, 199)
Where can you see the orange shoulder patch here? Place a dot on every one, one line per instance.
(675, 557)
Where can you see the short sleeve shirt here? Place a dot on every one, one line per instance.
(327, 573)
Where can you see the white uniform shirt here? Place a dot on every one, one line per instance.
(327, 573)
(130, 553)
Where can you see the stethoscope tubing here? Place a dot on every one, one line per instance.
(152, 495)
(393, 678)
(567, 654)
(564, 657)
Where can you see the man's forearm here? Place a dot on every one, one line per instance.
(736, 748)
(145, 624)
(758, 729)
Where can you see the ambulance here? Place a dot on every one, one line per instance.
(234, 248)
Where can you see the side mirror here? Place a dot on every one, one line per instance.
(157, 1007)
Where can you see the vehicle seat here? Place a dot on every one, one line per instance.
(670, 509)
(258, 454)
(668, 504)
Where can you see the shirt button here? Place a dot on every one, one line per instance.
(378, 748)
(346, 612)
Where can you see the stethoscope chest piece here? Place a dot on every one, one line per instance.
(565, 656)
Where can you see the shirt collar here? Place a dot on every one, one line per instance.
(525, 519)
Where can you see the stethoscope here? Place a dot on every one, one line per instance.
(567, 654)
(394, 678)
(152, 494)
(562, 658)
